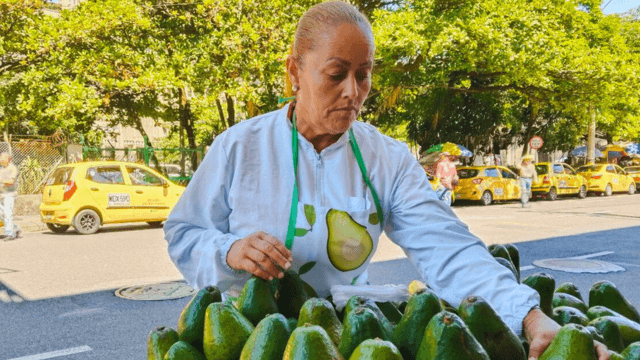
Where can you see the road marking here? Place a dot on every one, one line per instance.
(81, 312)
(54, 354)
(588, 256)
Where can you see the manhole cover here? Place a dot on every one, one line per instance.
(162, 291)
(578, 265)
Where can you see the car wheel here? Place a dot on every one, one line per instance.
(608, 191)
(155, 224)
(86, 222)
(632, 189)
(487, 198)
(58, 229)
(553, 195)
(582, 193)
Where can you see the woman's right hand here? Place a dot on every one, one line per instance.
(259, 254)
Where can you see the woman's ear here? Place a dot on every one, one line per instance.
(292, 71)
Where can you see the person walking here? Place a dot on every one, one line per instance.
(527, 174)
(8, 192)
(446, 172)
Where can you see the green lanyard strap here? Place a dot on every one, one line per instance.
(293, 216)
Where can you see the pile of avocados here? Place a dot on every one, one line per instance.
(285, 319)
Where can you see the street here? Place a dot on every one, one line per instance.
(57, 291)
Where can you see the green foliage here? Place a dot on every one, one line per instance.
(30, 175)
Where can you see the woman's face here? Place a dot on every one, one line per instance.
(334, 79)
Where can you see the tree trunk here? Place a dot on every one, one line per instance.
(231, 110)
(591, 138)
(186, 119)
(140, 128)
(533, 115)
(221, 113)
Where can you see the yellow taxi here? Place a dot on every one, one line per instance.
(558, 179)
(607, 179)
(634, 171)
(486, 184)
(88, 194)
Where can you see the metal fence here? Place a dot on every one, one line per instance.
(35, 159)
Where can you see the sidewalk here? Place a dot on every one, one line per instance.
(29, 223)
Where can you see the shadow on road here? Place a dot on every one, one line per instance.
(106, 229)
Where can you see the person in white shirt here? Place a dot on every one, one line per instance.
(270, 189)
(8, 193)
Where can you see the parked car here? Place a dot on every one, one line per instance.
(634, 171)
(89, 194)
(487, 183)
(558, 179)
(607, 179)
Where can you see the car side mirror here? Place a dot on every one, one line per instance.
(165, 184)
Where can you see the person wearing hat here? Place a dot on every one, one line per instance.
(309, 185)
(446, 172)
(8, 193)
(527, 174)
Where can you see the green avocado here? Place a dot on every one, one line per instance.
(191, 321)
(317, 311)
(606, 294)
(569, 288)
(617, 331)
(182, 350)
(490, 330)
(160, 341)
(256, 300)
(506, 263)
(349, 243)
(359, 325)
(614, 355)
(294, 292)
(564, 315)
(421, 307)
(268, 340)
(226, 331)
(448, 338)
(292, 324)
(632, 352)
(545, 285)
(595, 334)
(600, 311)
(497, 250)
(515, 256)
(376, 349)
(562, 299)
(390, 311)
(310, 342)
(573, 342)
(361, 301)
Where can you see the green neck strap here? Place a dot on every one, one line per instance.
(293, 216)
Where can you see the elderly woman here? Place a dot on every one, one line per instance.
(309, 183)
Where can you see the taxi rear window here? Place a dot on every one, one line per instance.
(467, 173)
(60, 176)
(586, 168)
(541, 169)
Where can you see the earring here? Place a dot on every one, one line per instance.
(295, 88)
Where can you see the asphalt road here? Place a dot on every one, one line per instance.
(56, 291)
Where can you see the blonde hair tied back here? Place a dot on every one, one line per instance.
(313, 23)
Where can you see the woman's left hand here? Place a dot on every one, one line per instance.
(539, 330)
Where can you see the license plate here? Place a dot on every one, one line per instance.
(458, 196)
(48, 217)
(119, 199)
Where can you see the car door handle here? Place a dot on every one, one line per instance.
(138, 191)
(94, 189)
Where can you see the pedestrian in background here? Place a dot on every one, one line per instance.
(446, 172)
(9, 191)
(527, 174)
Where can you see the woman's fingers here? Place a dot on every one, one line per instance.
(270, 249)
(601, 350)
(278, 246)
(264, 262)
(255, 269)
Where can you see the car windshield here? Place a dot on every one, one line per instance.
(633, 170)
(541, 169)
(589, 168)
(467, 173)
(60, 176)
